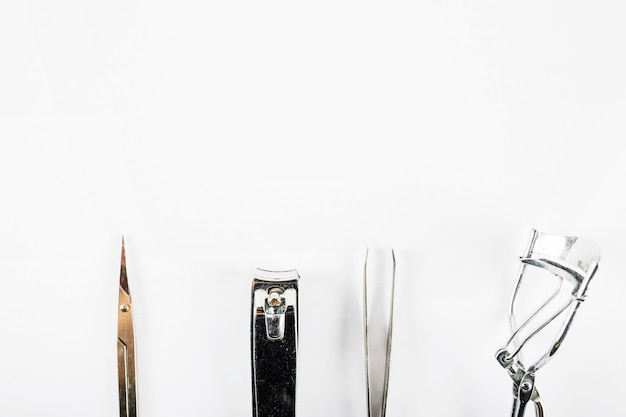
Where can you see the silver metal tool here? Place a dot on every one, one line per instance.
(125, 346)
(573, 261)
(373, 409)
(274, 340)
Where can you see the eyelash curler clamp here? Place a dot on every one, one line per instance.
(574, 261)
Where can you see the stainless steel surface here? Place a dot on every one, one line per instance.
(125, 346)
(274, 343)
(383, 404)
(574, 261)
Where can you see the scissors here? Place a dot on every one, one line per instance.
(125, 346)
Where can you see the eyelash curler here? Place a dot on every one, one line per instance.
(574, 261)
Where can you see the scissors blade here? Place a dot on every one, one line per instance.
(125, 345)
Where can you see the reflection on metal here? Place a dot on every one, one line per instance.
(125, 346)
(383, 408)
(574, 261)
(274, 340)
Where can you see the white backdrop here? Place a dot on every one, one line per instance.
(224, 136)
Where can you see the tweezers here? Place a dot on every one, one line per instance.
(125, 346)
(383, 405)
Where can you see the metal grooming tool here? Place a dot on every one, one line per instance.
(274, 340)
(574, 261)
(125, 346)
(382, 411)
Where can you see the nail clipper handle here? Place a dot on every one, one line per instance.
(274, 370)
(274, 341)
